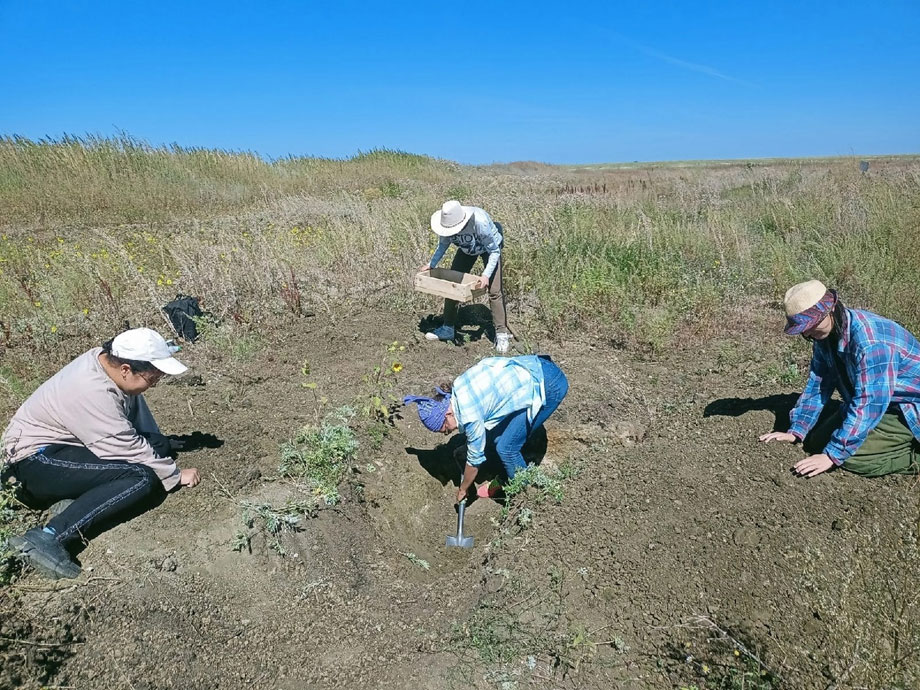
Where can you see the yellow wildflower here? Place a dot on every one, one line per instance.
(397, 367)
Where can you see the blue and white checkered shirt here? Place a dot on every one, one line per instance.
(479, 237)
(491, 390)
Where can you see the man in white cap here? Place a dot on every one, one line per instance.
(874, 363)
(475, 234)
(85, 434)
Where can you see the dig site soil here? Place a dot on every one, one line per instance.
(657, 545)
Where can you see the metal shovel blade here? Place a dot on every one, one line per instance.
(459, 540)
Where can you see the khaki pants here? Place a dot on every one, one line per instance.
(890, 448)
(464, 263)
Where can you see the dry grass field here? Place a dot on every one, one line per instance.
(657, 546)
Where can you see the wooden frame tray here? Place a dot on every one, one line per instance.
(443, 282)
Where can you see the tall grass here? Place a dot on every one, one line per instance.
(99, 231)
(123, 179)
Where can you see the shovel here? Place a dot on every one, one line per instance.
(459, 539)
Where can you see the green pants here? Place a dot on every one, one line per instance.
(890, 448)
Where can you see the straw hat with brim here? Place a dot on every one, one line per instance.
(146, 345)
(451, 218)
(806, 306)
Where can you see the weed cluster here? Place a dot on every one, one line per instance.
(547, 485)
(271, 522)
(379, 402)
(522, 629)
(9, 526)
(321, 456)
(868, 602)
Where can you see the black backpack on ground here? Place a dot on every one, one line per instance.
(180, 312)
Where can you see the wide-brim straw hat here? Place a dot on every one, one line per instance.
(450, 218)
(806, 306)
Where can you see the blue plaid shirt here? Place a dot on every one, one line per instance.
(882, 362)
(491, 390)
(479, 237)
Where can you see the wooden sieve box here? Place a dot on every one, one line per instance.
(443, 282)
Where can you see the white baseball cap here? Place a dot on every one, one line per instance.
(146, 345)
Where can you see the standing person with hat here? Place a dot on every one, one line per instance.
(500, 401)
(475, 234)
(874, 363)
(86, 434)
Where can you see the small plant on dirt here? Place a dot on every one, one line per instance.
(12, 522)
(787, 375)
(271, 521)
(535, 476)
(319, 402)
(379, 401)
(726, 659)
(321, 455)
(236, 342)
(582, 646)
(524, 517)
(420, 562)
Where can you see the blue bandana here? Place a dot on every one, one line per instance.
(432, 412)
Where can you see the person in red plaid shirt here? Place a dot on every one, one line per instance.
(874, 364)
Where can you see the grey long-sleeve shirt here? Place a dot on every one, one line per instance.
(81, 405)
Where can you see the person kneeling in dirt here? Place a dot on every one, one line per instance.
(875, 365)
(475, 234)
(501, 401)
(87, 434)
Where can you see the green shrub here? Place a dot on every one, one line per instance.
(321, 456)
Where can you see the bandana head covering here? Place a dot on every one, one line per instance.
(806, 306)
(432, 412)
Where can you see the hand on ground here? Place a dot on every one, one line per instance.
(189, 477)
(778, 436)
(813, 465)
(424, 267)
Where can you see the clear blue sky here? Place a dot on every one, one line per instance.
(475, 82)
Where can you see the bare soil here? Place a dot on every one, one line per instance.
(680, 539)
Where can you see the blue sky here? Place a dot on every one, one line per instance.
(476, 82)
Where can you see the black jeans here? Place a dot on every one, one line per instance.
(103, 490)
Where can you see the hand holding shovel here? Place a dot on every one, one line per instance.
(458, 539)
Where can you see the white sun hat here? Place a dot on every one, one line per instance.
(451, 218)
(146, 345)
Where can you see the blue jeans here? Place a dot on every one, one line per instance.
(512, 432)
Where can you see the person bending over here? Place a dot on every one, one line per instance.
(500, 401)
(475, 234)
